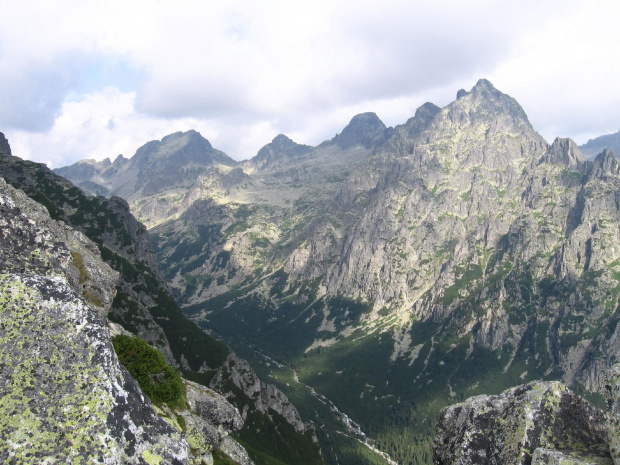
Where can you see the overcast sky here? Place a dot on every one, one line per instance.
(93, 79)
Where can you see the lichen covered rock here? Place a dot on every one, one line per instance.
(562, 457)
(507, 428)
(34, 243)
(63, 395)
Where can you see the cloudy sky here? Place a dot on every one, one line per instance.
(93, 79)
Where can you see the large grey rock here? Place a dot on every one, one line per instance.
(64, 395)
(235, 451)
(213, 407)
(560, 457)
(507, 428)
(34, 243)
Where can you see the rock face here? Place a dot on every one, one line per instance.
(509, 427)
(33, 242)
(541, 423)
(365, 129)
(208, 422)
(265, 397)
(64, 394)
(279, 150)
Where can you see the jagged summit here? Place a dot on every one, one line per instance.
(4, 145)
(185, 138)
(365, 129)
(564, 152)
(174, 161)
(606, 164)
(280, 148)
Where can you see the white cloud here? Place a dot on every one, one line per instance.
(243, 71)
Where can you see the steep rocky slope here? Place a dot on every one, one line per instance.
(140, 301)
(401, 269)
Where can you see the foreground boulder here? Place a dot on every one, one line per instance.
(63, 392)
(508, 428)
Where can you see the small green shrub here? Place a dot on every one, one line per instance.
(159, 381)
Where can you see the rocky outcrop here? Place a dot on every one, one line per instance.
(520, 425)
(34, 243)
(207, 423)
(64, 394)
(263, 396)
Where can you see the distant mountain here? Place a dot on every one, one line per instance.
(389, 272)
(595, 146)
(280, 150)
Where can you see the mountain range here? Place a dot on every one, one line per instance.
(388, 272)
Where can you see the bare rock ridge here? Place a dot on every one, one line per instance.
(280, 149)
(176, 160)
(541, 423)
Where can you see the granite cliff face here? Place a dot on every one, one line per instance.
(454, 255)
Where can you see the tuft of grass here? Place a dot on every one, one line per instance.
(159, 381)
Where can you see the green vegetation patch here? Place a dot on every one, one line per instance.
(159, 381)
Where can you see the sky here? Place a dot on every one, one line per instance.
(95, 79)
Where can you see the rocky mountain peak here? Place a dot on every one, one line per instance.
(461, 93)
(120, 161)
(280, 148)
(364, 129)
(606, 164)
(422, 118)
(176, 160)
(595, 146)
(185, 138)
(4, 145)
(564, 152)
(485, 100)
